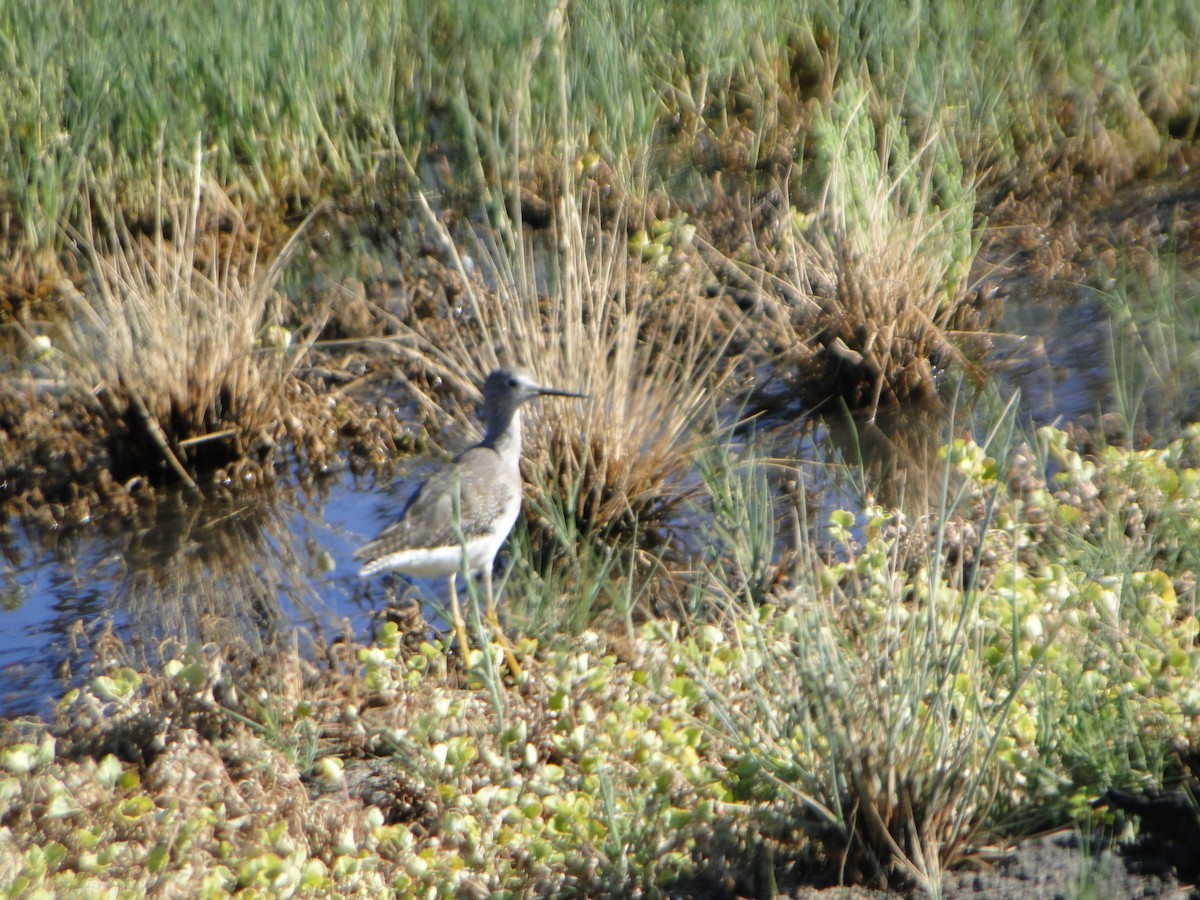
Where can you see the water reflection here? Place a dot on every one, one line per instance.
(1057, 351)
(894, 453)
(262, 569)
(228, 572)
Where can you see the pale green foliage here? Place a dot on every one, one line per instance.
(617, 806)
(291, 96)
(888, 698)
(908, 704)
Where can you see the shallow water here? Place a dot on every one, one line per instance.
(204, 571)
(1057, 351)
(249, 571)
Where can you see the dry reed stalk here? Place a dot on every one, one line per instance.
(861, 295)
(176, 333)
(581, 314)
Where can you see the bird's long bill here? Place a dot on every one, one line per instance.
(555, 392)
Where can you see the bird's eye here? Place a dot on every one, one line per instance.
(512, 382)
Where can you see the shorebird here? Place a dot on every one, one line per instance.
(458, 519)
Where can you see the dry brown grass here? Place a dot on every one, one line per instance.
(582, 314)
(176, 333)
(860, 295)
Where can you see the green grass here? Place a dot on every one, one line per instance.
(863, 284)
(300, 100)
(865, 705)
(1155, 325)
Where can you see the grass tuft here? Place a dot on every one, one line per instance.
(583, 312)
(865, 702)
(177, 335)
(864, 291)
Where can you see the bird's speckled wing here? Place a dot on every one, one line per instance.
(429, 519)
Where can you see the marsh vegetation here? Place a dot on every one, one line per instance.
(246, 248)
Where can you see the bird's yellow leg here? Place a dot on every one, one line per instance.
(493, 619)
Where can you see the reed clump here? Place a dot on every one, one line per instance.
(176, 335)
(582, 312)
(856, 274)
